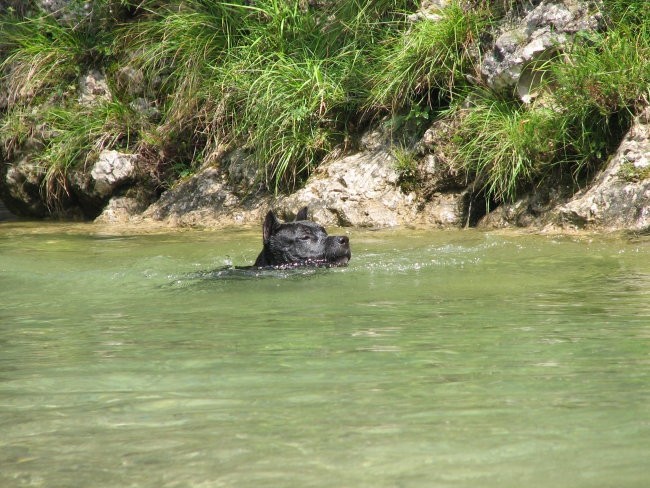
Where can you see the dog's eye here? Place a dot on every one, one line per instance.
(306, 237)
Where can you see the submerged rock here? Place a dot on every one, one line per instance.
(121, 210)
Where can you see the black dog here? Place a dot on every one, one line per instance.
(300, 243)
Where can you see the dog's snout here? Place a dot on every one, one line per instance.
(343, 240)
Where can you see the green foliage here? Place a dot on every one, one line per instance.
(406, 166)
(603, 81)
(505, 145)
(68, 137)
(40, 54)
(280, 79)
(291, 81)
(606, 72)
(427, 55)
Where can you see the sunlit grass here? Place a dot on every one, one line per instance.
(427, 55)
(290, 82)
(504, 145)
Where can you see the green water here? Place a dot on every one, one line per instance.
(436, 359)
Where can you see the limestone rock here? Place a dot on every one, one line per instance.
(619, 199)
(524, 46)
(112, 170)
(358, 190)
(93, 88)
(20, 188)
(204, 199)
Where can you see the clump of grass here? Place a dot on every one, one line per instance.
(428, 55)
(406, 167)
(282, 79)
(603, 81)
(178, 47)
(290, 116)
(40, 54)
(594, 90)
(505, 145)
(68, 138)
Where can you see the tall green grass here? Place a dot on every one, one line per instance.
(279, 78)
(426, 56)
(504, 145)
(593, 90)
(290, 82)
(40, 55)
(69, 137)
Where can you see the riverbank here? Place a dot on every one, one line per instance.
(444, 114)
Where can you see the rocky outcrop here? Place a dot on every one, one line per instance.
(206, 199)
(360, 189)
(620, 197)
(523, 45)
(112, 170)
(390, 180)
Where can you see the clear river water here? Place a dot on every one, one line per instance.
(435, 359)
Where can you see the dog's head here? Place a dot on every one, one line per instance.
(301, 242)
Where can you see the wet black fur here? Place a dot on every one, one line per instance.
(300, 243)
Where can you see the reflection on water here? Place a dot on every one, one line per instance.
(444, 359)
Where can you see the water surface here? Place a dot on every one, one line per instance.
(436, 359)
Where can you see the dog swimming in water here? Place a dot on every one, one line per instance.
(300, 243)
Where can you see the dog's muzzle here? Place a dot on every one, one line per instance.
(339, 254)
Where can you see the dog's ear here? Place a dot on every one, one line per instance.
(271, 223)
(302, 214)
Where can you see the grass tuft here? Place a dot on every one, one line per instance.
(426, 56)
(505, 145)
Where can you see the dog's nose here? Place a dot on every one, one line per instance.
(343, 240)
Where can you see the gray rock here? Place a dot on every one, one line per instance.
(358, 190)
(204, 200)
(619, 199)
(21, 188)
(67, 12)
(521, 48)
(145, 108)
(429, 10)
(93, 88)
(120, 210)
(131, 80)
(112, 170)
